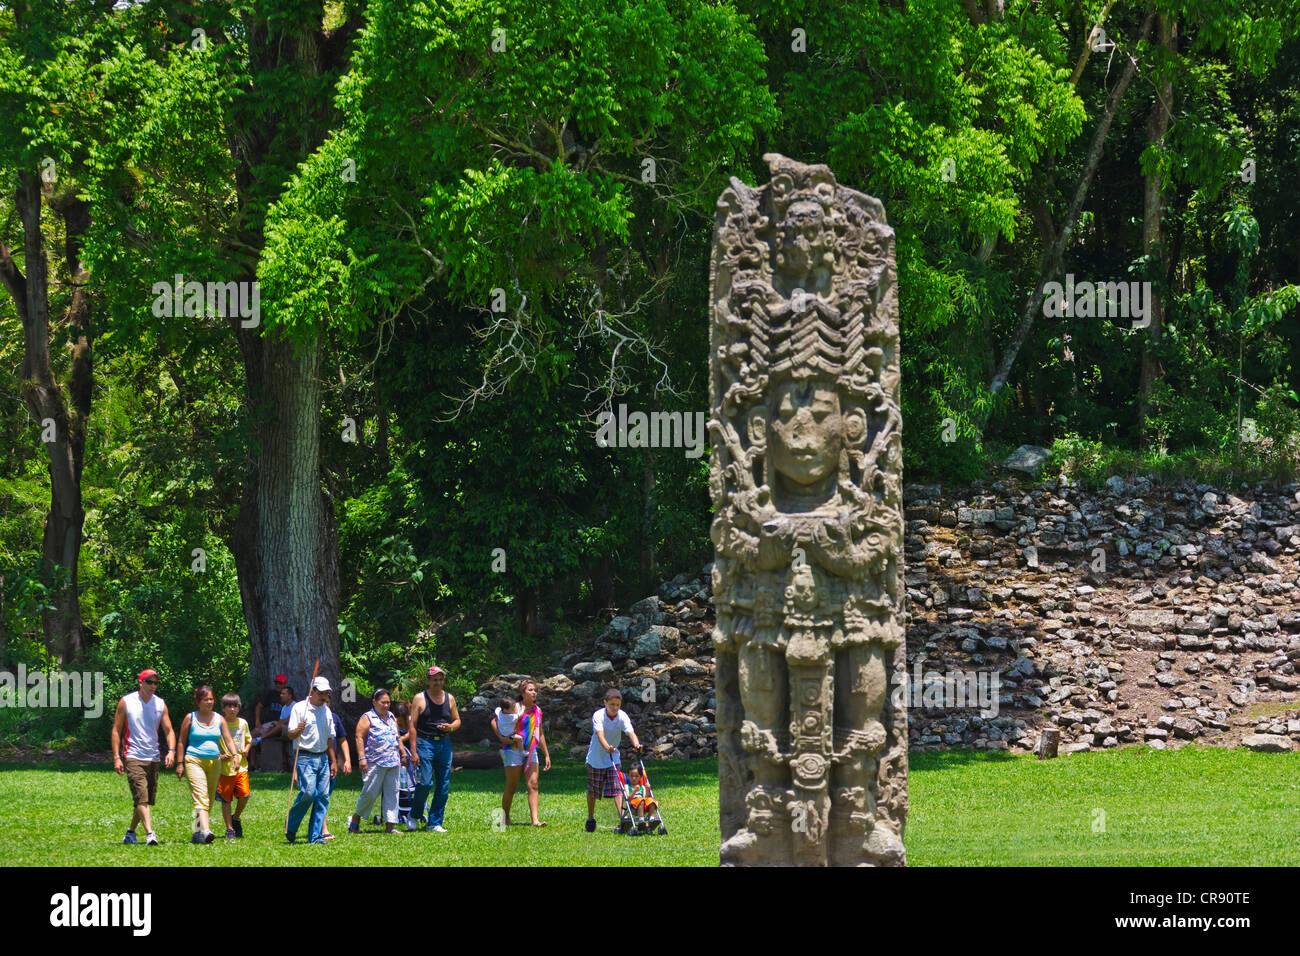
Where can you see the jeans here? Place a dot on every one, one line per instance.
(314, 792)
(434, 774)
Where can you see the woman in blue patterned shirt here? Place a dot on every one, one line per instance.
(381, 752)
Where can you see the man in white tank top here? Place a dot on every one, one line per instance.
(136, 753)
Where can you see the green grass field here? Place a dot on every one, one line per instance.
(77, 815)
(1135, 807)
(1197, 806)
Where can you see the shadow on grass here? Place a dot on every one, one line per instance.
(563, 777)
(957, 759)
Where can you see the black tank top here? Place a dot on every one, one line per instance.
(431, 716)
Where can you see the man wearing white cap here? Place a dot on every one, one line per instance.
(312, 725)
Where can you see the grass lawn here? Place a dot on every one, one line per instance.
(1197, 806)
(72, 816)
(1134, 807)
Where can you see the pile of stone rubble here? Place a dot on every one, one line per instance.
(1137, 614)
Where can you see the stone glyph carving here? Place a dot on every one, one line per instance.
(806, 478)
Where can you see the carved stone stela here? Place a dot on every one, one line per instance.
(806, 477)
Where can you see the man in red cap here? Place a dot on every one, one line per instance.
(135, 749)
(433, 718)
(272, 704)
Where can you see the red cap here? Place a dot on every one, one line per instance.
(435, 669)
(147, 672)
(281, 679)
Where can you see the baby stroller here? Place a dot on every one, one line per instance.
(629, 824)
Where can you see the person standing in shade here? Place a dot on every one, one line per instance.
(434, 716)
(312, 725)
(203, 734)
(136, 723)
(380, 753)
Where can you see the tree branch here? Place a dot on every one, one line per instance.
(1050, 262)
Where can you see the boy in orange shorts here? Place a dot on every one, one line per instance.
(232, 787)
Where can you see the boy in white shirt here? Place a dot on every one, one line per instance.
(608, 725)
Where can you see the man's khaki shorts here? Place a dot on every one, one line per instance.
(142, 775)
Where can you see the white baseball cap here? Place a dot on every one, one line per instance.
(321, 684)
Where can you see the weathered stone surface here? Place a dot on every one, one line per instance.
(650, 644)
(1152, 620)
(1267, 743)
(1027, 458)
(808, 530)
(588, 670)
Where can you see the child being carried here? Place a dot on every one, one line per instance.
(504, 721)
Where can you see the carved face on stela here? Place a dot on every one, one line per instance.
(805, 434)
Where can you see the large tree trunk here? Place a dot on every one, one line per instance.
(528, 613)
(1152, 243)
(286, 539)
(286, 545)
(61, 540)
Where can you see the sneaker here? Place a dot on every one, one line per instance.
(151, 839)
(230, 833)
(196, 837)
(130, 838)
(438, 829)
(237, 827)
(208, 836)
(290, 836)
(412, 826)
(353, 828)
(591, 825)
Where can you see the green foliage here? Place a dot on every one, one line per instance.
(466, 149)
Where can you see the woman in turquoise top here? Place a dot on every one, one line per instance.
(199, 757)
